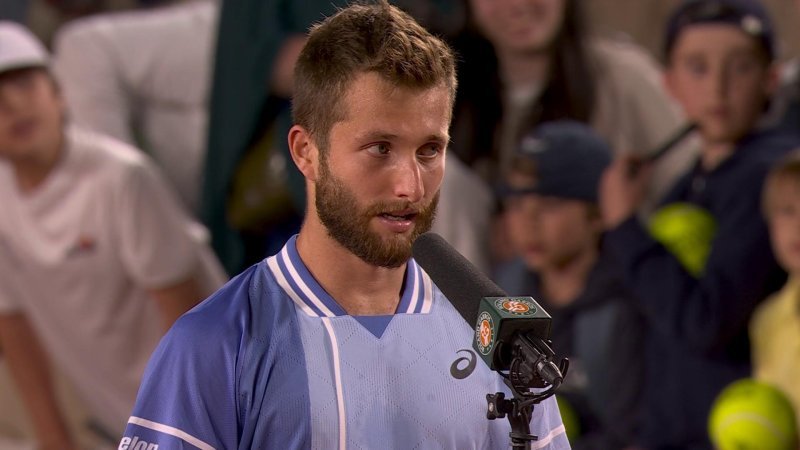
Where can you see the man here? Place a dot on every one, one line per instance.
(340, 340)
(554, 225)
(97, 258)
(142, 77)
(698, 286)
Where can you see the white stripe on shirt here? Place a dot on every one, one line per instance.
(302, 284)
(166, 429)
(543, 442)
(276, 271)
(337, 376)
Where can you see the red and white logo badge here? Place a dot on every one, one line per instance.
(518, 306)
(484, 333)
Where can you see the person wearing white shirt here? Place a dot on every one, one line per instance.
(97, 255)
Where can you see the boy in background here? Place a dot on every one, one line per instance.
(720, 68)
(97, 257)
(555, 228)
(775, 324)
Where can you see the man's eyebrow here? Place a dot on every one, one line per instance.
(377, 135)
(386, 136)
(439, 138)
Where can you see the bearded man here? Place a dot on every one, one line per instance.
(341, 339)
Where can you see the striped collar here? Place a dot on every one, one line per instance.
(293, 276)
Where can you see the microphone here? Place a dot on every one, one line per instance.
(511, 333)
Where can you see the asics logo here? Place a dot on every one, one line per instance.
(460, 373)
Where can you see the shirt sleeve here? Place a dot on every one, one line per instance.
(547, 426)
(156, 244)
(186, 399)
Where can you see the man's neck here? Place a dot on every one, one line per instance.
(520, 70)
(360, 288)
(562, 284)
(714, 153)
(32, 171)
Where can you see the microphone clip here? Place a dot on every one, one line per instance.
(530, 367)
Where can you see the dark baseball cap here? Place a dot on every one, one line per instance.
(749, 16)
(568, 159)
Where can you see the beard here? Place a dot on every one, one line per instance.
(349, 224)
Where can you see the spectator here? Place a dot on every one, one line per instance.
(142, 77)
(720, 68)
(773, 328)
(341, 339)
(550, 198)
(97, 256)
(541, 64)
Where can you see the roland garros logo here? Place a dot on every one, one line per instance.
(484, 333)
(516, 306)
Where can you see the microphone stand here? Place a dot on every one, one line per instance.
(531, 366)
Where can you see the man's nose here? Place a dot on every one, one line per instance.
(407, 180)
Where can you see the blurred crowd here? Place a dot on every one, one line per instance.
(650, 202)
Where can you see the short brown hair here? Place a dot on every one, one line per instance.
(362, 38)
(785, 172)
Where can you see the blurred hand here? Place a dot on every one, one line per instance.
(622, 189)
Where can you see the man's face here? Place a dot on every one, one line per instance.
(784, 224)
(379, 179)
(718, 74)
(550, 232)
(31, 113)
(519, 26)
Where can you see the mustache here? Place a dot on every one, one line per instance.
(384, 207)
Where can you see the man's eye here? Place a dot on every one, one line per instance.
(697, 67)
(430, 151)
(743, 66)
(378, 149)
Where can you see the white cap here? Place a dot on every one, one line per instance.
(19, 48)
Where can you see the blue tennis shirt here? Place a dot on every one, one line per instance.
(271, 361)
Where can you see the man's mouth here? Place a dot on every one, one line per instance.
(399, 216)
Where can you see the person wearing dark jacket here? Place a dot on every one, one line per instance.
(554, 225)
(698, 288)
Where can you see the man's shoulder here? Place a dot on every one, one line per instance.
(769, 143)
(778, 307)
(248, 300)
(759, 151)
(105, 152)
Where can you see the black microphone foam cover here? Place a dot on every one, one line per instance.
(458, 279)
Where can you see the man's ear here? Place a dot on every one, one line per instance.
(304, 151)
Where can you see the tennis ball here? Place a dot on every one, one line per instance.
(686, 231)
(752, 415)
(569, 417)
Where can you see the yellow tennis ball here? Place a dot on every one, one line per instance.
(686, 230)
(569, 417)
(752, 415)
